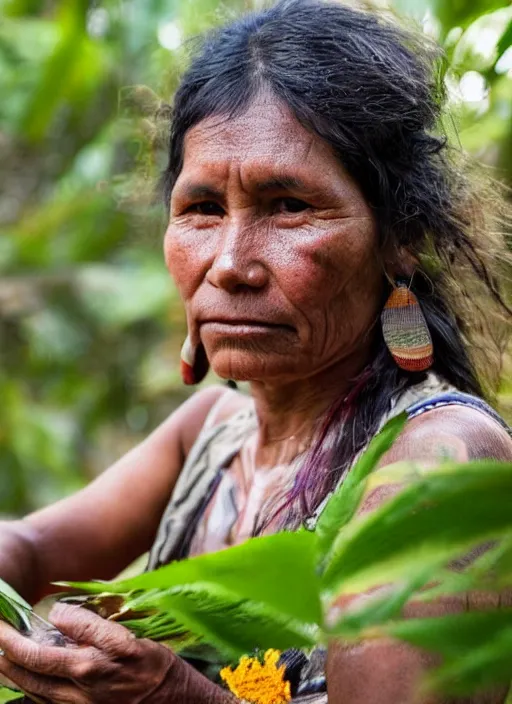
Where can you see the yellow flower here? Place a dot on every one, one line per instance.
(258, 683)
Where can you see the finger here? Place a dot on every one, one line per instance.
(85, 627)
(45, 659)
(47, 688)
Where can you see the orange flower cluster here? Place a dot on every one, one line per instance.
(258, 683)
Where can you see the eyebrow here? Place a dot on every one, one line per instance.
(281, 183)
(203, 191)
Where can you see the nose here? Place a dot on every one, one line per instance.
(237, 267)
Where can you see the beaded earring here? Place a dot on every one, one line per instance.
(405, 330)
(194, 363)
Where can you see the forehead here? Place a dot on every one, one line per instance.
(267, 136)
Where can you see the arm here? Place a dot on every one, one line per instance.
(101, 529)
(110, 657)
(388, 672)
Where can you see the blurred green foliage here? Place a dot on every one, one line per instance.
(90, 325)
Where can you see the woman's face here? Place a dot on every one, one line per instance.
(273, 248)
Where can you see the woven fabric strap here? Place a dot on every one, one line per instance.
(456, 398)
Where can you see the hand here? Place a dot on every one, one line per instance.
(107, 665)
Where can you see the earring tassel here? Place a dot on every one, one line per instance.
(406, 332)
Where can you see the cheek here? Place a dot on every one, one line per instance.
(334, 279)
(326, 268)
(184, 259)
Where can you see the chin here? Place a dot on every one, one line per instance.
(250, 366)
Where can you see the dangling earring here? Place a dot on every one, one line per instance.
(194, 363)
(405, 330)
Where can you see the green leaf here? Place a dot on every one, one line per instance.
(504, 43)
(56, 71)
(417, 527)
(134, 293)
(14, 610)
(13, 614)
(479, 669)
(8, 591)
(463, 12)
(491, 571)
(9, 695)
(453, 634)
(508, 700)
(219, 617)
(277, 570)
(378, 608)
(476, 647)
(343, 504)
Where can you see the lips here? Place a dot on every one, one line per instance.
(245, 323)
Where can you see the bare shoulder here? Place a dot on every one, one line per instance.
(457, 432)
(453, 432)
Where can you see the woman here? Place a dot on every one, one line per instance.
(311, 209)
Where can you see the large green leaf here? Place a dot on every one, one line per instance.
(453, 634)
(476, 647)
(219, 617)
(480, 668)
(277, 570)
(491, 571)
(378, 608)
(343, 504)
(417, 527)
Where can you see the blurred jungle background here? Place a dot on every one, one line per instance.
(90, 326)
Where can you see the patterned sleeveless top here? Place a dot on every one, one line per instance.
(212, 453)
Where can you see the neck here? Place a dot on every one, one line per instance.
(290, 411)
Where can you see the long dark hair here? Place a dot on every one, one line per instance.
(374, 92)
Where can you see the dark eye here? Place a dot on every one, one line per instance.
(291, 205)
(206, 207)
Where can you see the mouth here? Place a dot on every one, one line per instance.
(244, 326)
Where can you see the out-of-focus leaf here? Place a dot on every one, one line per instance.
(479, 669)
(9, 695)
(380, 607)
(343, 504)
(491, 571)
(132, 294)
(471, 53)
(54, 337)
(463, 12)
(505, 41)
(58, 67)
(476, 647)
(417, 528)
(453, 634)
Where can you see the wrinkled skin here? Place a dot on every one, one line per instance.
(108, 665)
(271, 229)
